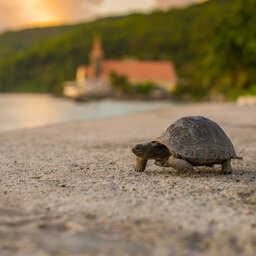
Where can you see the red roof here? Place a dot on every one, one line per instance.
(136, 70)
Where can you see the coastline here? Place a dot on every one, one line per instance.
(18, 111)
(72, 188)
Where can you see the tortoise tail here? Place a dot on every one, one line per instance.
(237, 157)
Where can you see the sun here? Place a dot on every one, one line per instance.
(42, 15)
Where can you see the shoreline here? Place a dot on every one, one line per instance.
(30, 111)
(175, 105)
(72, 188)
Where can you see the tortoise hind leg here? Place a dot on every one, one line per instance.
(226, 167)
(140, 164)
(180, 164)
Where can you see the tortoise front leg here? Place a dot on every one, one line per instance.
(162, 163)
(140, 164)
(226, 167)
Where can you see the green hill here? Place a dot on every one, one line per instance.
(13, 41)
(44, 62)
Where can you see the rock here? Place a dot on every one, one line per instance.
(246, 101)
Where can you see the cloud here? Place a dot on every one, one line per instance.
(24, 13)
(68, 10)
(9, 14)
(166, 4)
(21, 13)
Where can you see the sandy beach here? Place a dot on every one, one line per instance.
(71, 189)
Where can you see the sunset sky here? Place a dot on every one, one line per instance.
(26, 13)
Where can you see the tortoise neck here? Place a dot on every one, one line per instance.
(157, 151)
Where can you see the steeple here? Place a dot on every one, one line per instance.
(97, 51)
(96, 57)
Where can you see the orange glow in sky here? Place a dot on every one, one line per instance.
(43, 16)
(45, 12)
(27, 13)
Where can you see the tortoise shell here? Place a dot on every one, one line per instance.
(198, 139)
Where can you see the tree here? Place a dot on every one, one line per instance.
(119, 83)
(231, 69)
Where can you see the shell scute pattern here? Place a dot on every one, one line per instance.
(197, 138)
(220, 137)
(203, 133)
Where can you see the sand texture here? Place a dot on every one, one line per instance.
(71, 189)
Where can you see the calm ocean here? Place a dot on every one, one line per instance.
(19, 111)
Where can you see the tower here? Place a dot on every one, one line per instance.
(96, 57)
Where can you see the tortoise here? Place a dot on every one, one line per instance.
(190, 141)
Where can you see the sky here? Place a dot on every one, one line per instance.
(15, 14)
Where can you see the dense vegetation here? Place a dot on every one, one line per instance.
(212, 46)
(13, 41)
(228, 65)
(235, 43)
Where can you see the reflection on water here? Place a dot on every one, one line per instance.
(31, 110)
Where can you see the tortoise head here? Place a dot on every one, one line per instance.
(141, 149)
(149, 150)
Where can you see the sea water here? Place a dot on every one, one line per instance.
(18, 111)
